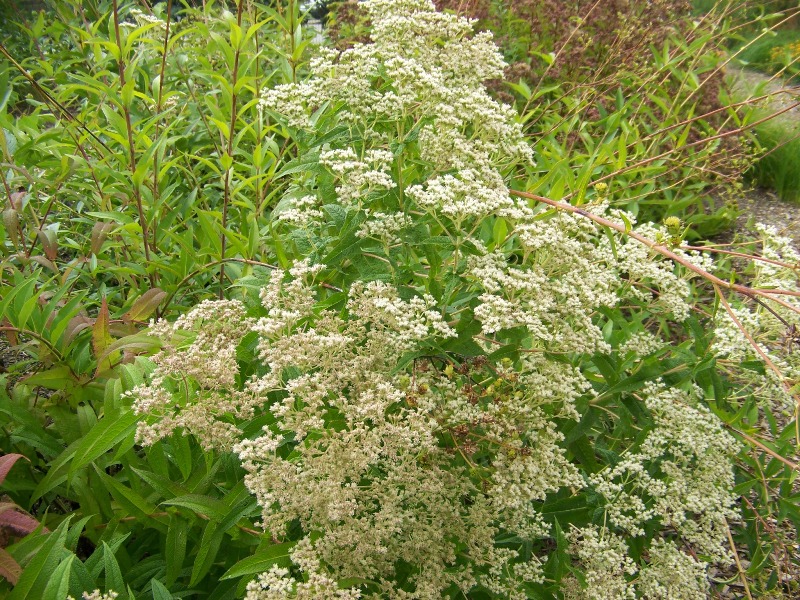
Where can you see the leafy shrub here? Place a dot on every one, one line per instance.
(427, 384)
(415, 378)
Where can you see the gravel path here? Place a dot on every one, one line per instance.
(760, 205)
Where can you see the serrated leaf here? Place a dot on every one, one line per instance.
(58, 378)
(113, 574)
(210, 507)
(177, 535)
(132, 502)
(207, 552)
(58, 586)
(94, 563)
(36, 573)
(12, 517)
(308, 162)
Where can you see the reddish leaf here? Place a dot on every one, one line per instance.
(48, 264)
(120, 330)
(6, 462)
(16, 199)
(11, 222)
(49, 242)
(18, 522)
(145, 305)
(100, 232)
(9, 568)
(11, 335)
(101, 339)
(75, 326)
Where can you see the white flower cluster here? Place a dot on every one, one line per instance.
(303, 211)
(198, 360)
(366, 468)
(384, 226)
(276, 584)
(142, 19)
(775, 331)
(672, 574)
(388, 450)
(97, 595)
(358, 176)
(420, 63)
(572, 271)
(610, 574)
(604, 559)
(681, 474)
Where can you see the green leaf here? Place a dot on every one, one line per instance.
(307, 162)
(132, 502)
(38, 571)
(107, 433)
(277, 554)
(59, 377)
(58, 586)
(207, 552)
(113, 579)
(177, 535)
(145, 305)
(205, 505)
(160, 592)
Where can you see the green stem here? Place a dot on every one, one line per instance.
(229, 152)
(132, 147)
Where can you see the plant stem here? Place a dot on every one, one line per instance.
(131, 147)
(159, 104)
(229, 151)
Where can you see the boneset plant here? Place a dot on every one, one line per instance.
(461, 390)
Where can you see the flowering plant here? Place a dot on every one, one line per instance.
(461, 390)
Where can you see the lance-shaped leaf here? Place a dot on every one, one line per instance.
(100, 232)
(145, 305)
(11, 222)
(47, 236)
(101, 339)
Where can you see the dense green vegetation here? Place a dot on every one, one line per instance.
(414, 317)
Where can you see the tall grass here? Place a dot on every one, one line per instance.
(779, 167)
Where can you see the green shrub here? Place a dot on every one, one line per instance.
(388, 368)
